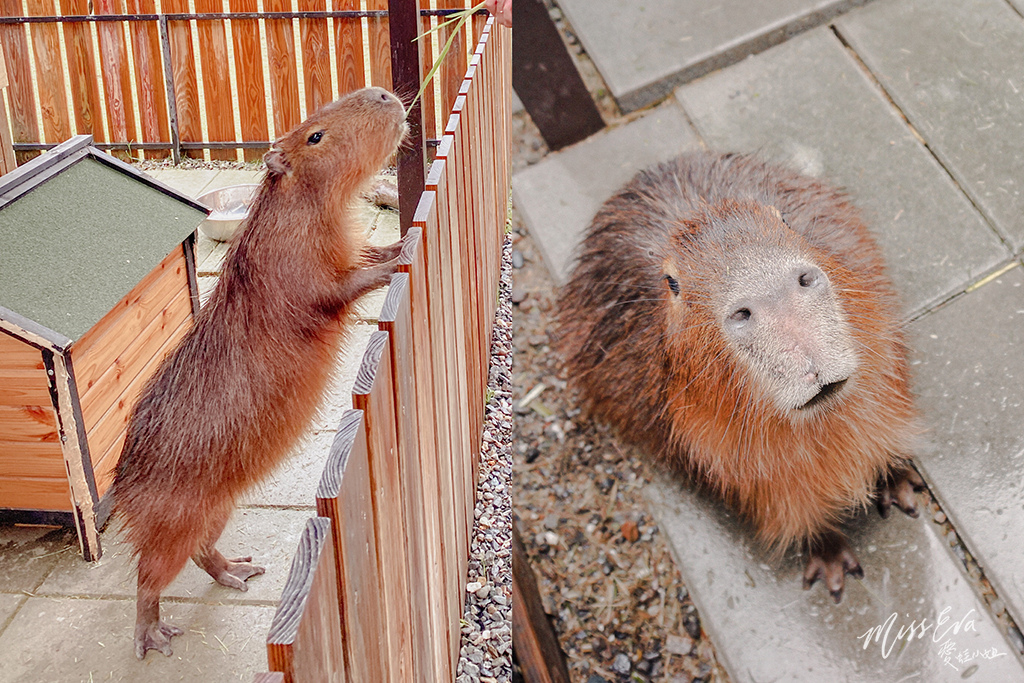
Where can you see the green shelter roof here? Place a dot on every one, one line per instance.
(87, 230)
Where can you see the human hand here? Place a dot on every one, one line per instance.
(501, 10)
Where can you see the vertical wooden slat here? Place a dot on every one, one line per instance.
(418, 479)
(186, 88)
(380, 47)
(20, 93)
(85, 92)
(426, 63)
(149, 77)
(284, 78)
(345, 496)
(220, 124)
(305, 642)
(431, 321)
(372, 393)
(7, 162)
(117, 85)
(316, 58)
(252, 102)
(436, 475)
(453, 68)
(348, 48)
(53, 104)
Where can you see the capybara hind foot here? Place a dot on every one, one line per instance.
(154, 635)
(231, 573)
(898, 489)
(831, 559)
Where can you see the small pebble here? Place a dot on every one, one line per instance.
(939, 517)
(621, 664)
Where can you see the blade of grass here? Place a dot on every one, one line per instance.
(459, 19)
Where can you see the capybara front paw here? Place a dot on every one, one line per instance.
(155, 636)
(830, 559)
(237, 572)
(898, 489)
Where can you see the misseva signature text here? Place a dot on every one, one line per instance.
(942, 628)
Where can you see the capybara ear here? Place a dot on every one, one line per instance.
(276, 162)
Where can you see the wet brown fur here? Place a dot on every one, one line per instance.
(231, 400)
(659, 369)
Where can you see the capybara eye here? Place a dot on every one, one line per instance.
(315, 137)
(740, 316)
(673, 284)
(808, 279)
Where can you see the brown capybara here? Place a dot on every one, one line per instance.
(230, 401)
(733, 318)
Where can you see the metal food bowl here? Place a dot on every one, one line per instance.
(229, 206)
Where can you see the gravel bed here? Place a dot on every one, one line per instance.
(486, 649)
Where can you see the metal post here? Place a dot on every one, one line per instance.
(405, 74)
(172, 105)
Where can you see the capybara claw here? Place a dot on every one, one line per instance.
(831, 559)
(237, 572)
(155, 637)
(899, 489)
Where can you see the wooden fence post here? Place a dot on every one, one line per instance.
(405, 76)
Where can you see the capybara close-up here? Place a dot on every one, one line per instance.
(228, 404)
(733, 319)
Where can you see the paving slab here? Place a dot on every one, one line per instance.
(956, 70)
(189, 181)
(294, 484)
(9, 604)
(969, 369)
(766, 628)
(644, 49)
(269, 535)
(558, 196)
(807, 104)
(28, 554)
(91, 640)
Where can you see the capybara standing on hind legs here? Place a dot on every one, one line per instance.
(733, 318)
(229, 402)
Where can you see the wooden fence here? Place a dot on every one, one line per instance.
(377, 588)
(152, 78)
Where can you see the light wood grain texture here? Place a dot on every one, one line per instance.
(418, 484)
(284, 79)
(20, 93)
(373, 395)
(316, 57)
(33, 493)
(23, 387)
(186, 87)
(453, 68)
(107, 406)
(252, 103)
(149, 78)
(85, 93)
(98, 349)
(271, 677)
(345, 496)
(117, 86)
(220, 123)
(426, 63)
(348, 49)
(40, 460)
(437, 493)
(53, 104)
(7, 160)
(105, 465)
(380, 46)
(28, 424)
(17, 355)
(305, 642)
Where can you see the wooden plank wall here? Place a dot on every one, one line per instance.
(115, 358)
(400, 480)
(104, 60)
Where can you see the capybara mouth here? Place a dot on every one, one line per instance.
(826, 392)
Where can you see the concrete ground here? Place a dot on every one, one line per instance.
(63, 619)
(917, 109)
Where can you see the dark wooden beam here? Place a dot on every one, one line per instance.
(404, 24)
(533, 640)
(546, 80)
